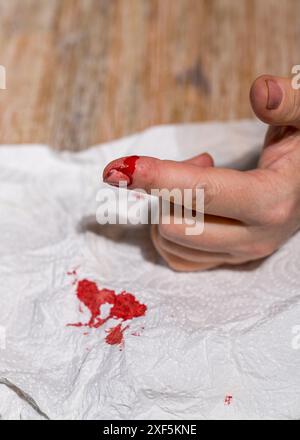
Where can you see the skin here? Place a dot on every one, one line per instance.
(248, 214)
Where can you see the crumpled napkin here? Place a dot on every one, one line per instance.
(219, 344)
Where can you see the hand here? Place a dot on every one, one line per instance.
(248, 214)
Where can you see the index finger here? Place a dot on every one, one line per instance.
(227, 192)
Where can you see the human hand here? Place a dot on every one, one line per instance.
(248, 214)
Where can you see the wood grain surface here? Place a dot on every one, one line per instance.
(80, 72)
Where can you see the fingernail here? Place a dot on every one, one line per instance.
(114, 177)
(121, 171)
(275, 94)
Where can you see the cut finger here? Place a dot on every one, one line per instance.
(227, 193)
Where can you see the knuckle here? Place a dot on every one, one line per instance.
(276, 203)
(260, 249)
(279, 214)
(211, 190)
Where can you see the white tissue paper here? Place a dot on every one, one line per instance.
(219, 344)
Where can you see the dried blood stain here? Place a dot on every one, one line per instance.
(127, 168)
(227, 400)
(127, 307)
(115, 335)
(124, 306)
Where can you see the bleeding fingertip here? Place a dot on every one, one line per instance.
(120, 171)
(114, 177)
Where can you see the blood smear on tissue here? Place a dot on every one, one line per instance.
(124, 307)
(228, 399)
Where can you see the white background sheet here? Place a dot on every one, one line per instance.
(206, 335)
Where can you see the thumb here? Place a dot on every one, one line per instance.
(275, 101)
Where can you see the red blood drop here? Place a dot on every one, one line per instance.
(227, 400)
(124, 306)
(115, 335)
(127, 307)
(130, 163)
(127, 167)
(93, 298)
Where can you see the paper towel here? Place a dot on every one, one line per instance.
(227, 332)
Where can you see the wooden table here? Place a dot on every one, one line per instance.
(80, 72)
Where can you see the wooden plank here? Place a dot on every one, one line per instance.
(80, 72)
